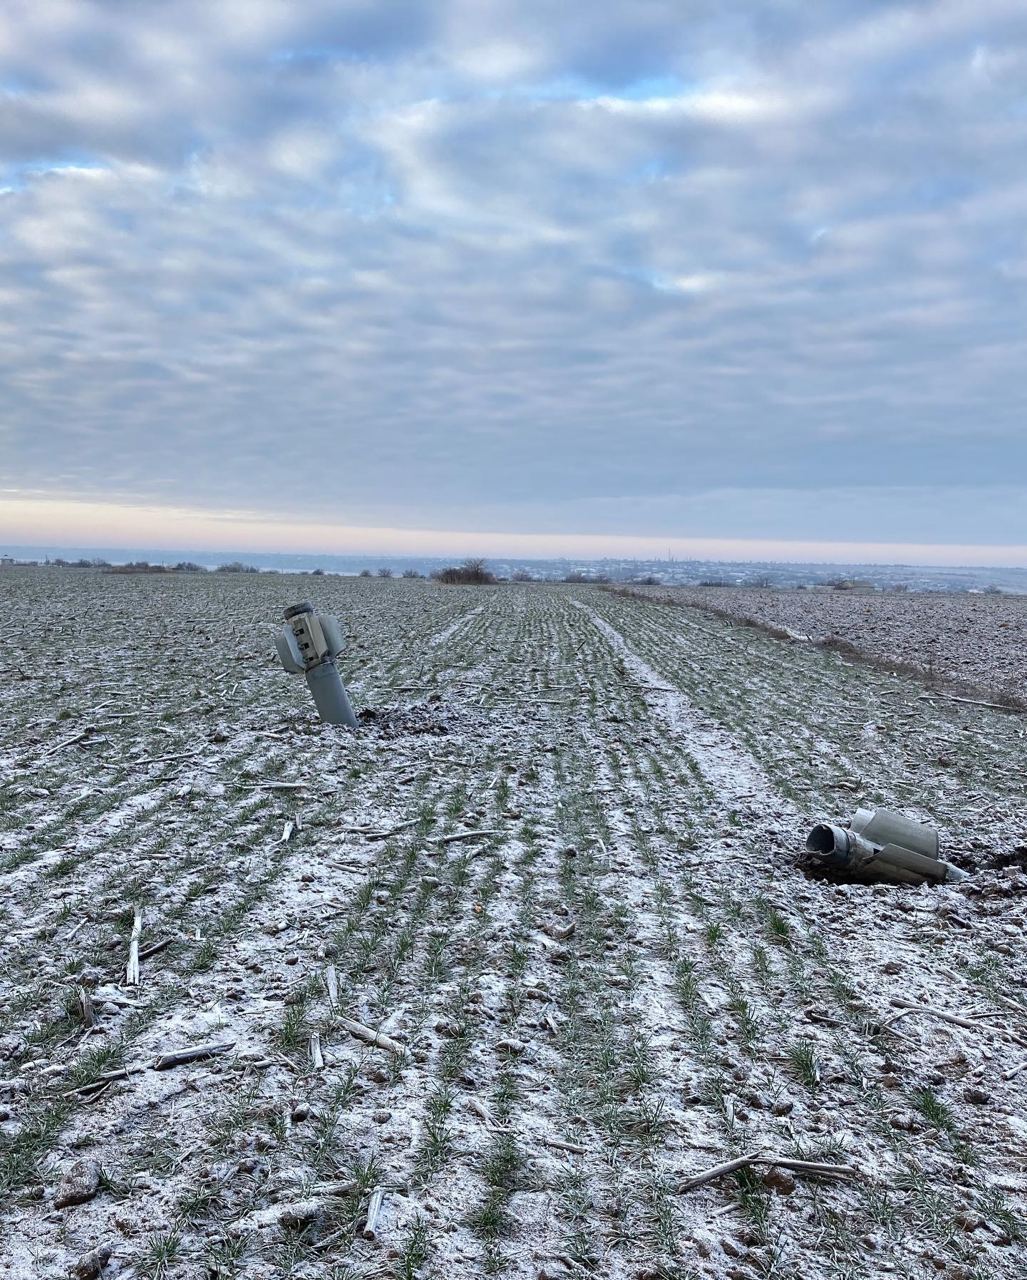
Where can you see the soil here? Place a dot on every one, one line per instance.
(484, 986)
(974, 641)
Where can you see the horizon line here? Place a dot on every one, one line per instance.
(46, 522)
(61, 549)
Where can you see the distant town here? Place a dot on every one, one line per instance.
(668, 572)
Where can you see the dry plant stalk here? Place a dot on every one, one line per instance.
(132, 968)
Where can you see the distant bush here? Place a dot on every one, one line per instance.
(317, 573)
(522, 575)
(577, 575)
(237, 566)
(647, 581)
(472, 572)
(189, 566)
(384, 572)
(365, 573)
(138, 566)
(411, 573)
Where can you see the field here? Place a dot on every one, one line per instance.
(976, 642)
(482, 988)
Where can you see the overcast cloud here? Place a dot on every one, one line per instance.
(708, 268)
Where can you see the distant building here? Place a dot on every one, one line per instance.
(6, 561)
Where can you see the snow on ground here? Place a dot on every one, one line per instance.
(974, 640)
(480, 988)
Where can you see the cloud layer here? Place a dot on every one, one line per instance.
(708, 269)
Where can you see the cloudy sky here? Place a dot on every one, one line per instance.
(663, 269)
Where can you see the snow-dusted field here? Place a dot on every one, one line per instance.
(978, 641)
(554, 881)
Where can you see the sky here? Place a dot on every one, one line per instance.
(428, 276)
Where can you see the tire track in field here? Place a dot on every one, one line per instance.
(447, 633)
(728, 767)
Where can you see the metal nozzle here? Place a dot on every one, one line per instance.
(882, 843)
(831, 844)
